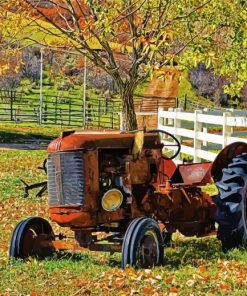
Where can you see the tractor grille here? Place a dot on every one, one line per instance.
(65, 178)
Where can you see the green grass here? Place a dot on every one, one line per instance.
(60, 106)
(192, 266)
(18, 133)
(16, 165)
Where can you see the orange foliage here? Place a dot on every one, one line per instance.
(10, 62)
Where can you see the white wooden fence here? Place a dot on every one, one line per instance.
(201, 129)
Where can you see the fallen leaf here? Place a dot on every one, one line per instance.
(170, 280)
(202, 269)
(119, 282)
(173, 291)
(147, 291)
(225, 286)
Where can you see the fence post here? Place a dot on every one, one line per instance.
(69, 112)
(226, 130)
(45, 113)
(55, 111)
(120, 121)
(185, 102)
(205, 128)
(177, 124)
(197, 128)
(112, 120)
(60, 116)
(11, 105)
(161, 120)
(99, 113)
(170, 120)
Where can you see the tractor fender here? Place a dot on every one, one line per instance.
(225, 157)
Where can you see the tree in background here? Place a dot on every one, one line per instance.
(207, 84)
(30, 67)
(130, 39)
(11, 16)
(223, 47)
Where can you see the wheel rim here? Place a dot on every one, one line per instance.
(148, 250)
(35, 242)
(28, 243)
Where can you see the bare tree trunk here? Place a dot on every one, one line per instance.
(128, 110)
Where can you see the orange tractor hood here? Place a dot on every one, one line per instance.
(85, 139)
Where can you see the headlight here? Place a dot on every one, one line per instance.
(112, 200)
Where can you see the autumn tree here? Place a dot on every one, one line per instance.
(223, 46)
(129, 39)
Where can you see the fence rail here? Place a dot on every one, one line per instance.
(101, 112)
(202, 132)
(60, 110)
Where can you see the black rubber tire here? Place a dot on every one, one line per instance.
(231, 214)
(12, 249)
(151, 254)
(36, 225)
(127, 240)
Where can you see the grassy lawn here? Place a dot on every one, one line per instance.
(192, 266)
(17, 133)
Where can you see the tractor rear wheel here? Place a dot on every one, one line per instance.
(231, 204)
(30, 238)
(143, 244)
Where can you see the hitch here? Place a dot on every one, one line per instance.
(43, 184)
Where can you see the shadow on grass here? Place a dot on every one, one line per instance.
(186, 252)
(194, 251)
(95, 258)
(189, 251)
(17, 137)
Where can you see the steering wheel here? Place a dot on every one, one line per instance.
(176, 144)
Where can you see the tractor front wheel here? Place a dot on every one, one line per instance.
(143, 244)
(231, 204)
(31, 238)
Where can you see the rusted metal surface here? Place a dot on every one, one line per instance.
(64, 245)
(73, 216)
(150, 186)
(95, 140)
(80, 217)
(193, 173)
(166, 170)
(225, 156)
(106, 168)
(188, 209)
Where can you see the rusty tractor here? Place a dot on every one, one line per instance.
(123, 185)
